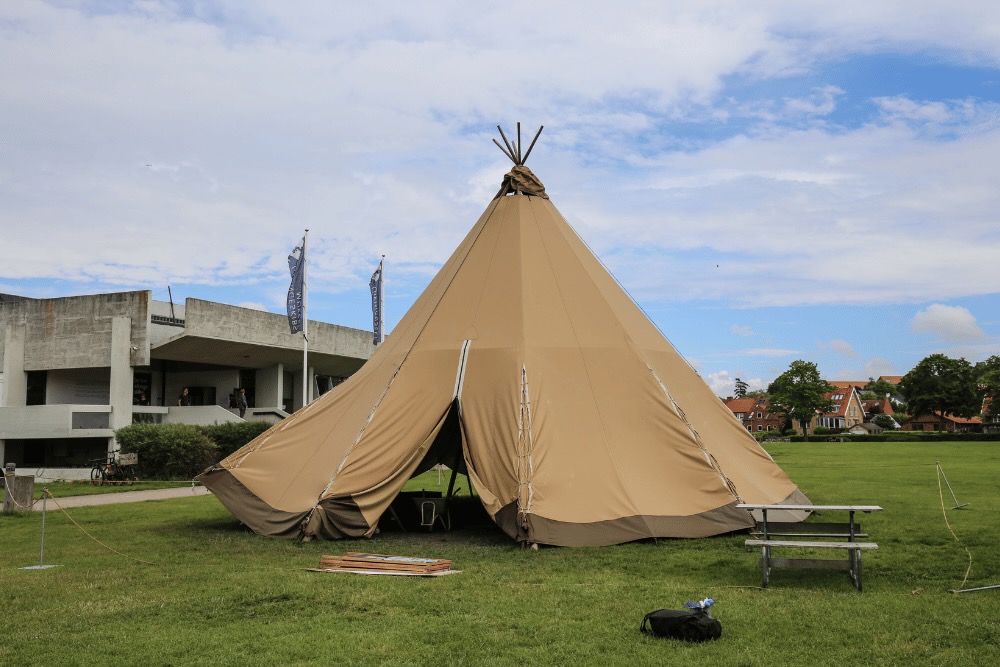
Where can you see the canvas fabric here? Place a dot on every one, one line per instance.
(579, 423)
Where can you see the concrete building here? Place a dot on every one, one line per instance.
(77, 368)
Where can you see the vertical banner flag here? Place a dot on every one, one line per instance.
(296, 266)
(376, 286)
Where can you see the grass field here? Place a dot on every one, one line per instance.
(65, 489)
(219, 595)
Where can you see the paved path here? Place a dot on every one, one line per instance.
(124, 497)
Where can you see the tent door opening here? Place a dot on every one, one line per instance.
(432, 506)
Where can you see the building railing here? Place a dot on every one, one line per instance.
(169, 321)
(94, 421)
(55, 421)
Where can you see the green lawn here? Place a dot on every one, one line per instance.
(65, 489)
(219, 595)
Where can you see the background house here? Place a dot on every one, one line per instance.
(848, 410)
(754, 415)
(948, 423)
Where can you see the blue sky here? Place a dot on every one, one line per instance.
(770, 181)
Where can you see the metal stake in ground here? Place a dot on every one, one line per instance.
(41, 554)
(958, 505)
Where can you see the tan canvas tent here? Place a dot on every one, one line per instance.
(525, 362)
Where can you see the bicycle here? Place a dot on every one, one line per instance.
(114, 470)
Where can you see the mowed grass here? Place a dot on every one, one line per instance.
(85, 488)
(219, 595)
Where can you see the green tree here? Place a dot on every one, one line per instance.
(941, 384)
(741, 388)
(799, 393)
(885, 421)
(988, 378)
(881, 388)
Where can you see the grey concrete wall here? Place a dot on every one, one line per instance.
(15, 383)
(121, 375)
(78, 386)
(216, 320)
(200, 414)
(269, 387)
(75, 332)
(18, 492)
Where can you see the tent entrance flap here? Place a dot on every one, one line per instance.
(446, 449)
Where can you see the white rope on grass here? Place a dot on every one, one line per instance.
(944, 512)
(83, 530)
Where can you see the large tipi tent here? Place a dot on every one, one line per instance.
(526, 364)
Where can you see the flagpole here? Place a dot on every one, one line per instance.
(305, 324)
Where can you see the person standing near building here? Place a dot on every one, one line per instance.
(185, 398)
(241, 402)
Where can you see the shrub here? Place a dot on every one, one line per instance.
(167, 451)
(231, 436)
(905, 436)
(822, 430)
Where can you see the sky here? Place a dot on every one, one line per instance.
(770, 181)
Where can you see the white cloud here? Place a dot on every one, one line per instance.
(877, 367)
(723, 383)
(371, 126)
(838, 346)
(741, 330)
(949, 323)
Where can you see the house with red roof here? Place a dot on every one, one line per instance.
(848, 410)
(753, 413)
(847, 384)
(949, 423)
(991, 423)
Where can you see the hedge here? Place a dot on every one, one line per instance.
(181, 451)
(905, 436)
(167, 451)
(230, 436)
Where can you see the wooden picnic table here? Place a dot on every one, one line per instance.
(806, 535)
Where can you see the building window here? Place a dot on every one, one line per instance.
(759, 427)
(758, 415)
(37, 381)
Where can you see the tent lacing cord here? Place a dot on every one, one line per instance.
(525, 466)
(371, 415)
(343, 462)
(726, 482)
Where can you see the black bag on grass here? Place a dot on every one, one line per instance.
(691, 626)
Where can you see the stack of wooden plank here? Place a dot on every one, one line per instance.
(354, 561)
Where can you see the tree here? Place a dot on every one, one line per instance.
(988, 378)
(741, 388)
(943, 385)
(799, 393)
(885, 421)
(881, 388)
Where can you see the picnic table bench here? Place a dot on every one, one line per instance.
(810, 536)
